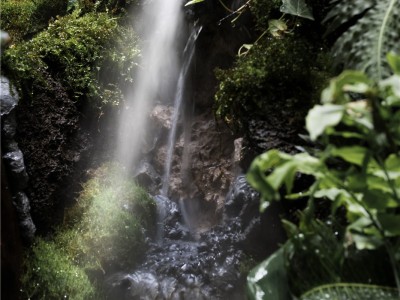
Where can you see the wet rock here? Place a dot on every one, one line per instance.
(14, 160)
(147, 176)
(28, 228)
(9, 97)
(162, 116)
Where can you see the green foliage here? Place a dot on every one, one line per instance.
(115, 7)
(260, 80)
(358, 168)
(269, 279)
(376, 31)
(51, 274)
(78, 52)
(262, 11)
(22, 18)
(351, 291)
(297, 8)
(102, 232)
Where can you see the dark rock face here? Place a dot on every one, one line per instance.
(14, 161)
(49, 136)
(180, 266)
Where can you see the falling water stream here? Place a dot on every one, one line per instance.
(188, 56)
(177, 264)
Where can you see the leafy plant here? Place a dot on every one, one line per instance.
(258, 82)
(296, 8)
(358, 166)
(375, 32)
(351, 291)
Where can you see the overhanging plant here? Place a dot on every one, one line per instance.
(374, 30)
(357, 170)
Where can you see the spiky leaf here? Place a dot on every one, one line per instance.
(376, 32)
(351, 291)
(297, 8)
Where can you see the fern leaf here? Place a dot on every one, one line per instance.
(365, 44)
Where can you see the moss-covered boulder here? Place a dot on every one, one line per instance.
(67, 76)
(103, 232)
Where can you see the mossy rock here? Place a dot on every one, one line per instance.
(52, 274)
(23, 18)
(274, 73)
(90, 55)
(104, 232)
(112, 213)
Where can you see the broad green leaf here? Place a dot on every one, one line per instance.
(353, 291)
(392, 83)
(377, 199)
(296, 8)
(336, 91)
(394, 62)
(354, 154)
(331, 194)
(276, 27)
(269, 279)
(390, 223)
(392, 163)
(366, 242)
(284, 173)
(322, 116)
(193, 2)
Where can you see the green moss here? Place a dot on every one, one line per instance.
(273, 74)
(80, 52)
(103, 232)
(51, 274)
(262, 11)
(23, 18)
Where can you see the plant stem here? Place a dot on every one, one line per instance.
(392, 258)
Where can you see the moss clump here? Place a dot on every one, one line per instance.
(112, 211)
(273, 74)
(103, 232)
(262, 11)
(23, 18)
(51, 274)
(78, 51)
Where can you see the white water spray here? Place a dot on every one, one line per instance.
(179, 95)
(159, 60)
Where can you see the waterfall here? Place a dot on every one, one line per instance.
(179, 95)
(161, 21)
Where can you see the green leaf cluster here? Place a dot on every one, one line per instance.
(357, 169)
(103, 231)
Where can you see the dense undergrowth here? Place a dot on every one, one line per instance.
(103, 232)
(89, 54)
(70, 65)
(286, 66)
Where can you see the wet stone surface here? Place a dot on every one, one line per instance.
(178, 266)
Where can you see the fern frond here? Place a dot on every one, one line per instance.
(365, 44)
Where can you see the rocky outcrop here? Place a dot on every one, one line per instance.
(52, 142)
(14, 160)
